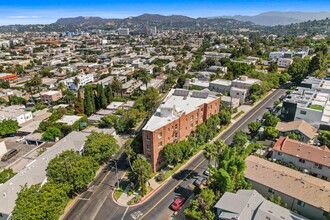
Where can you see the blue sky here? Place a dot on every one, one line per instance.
(45, 11)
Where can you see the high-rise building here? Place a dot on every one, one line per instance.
(123, 31)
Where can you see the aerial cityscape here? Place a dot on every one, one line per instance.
(176, 110)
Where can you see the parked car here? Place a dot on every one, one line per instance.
(9, 154)
(177, 203)
(200, 181)
(207, 172)
(20, 139)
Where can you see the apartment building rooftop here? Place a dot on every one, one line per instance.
(316, 83)
(246, 80)
(305, 97)
(319, 155)
(304, 187)
(177, 102)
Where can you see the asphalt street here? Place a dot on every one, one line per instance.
(97, 203)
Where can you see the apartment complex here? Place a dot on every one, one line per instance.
(16, 113)
(177, 116)
(83, 79)
(309, 105)
(307, 158)
(50, 96)
(304, 194)
(320, 85)
(250, 205)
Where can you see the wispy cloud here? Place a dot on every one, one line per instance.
(23, 17)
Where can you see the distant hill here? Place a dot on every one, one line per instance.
(281, 18)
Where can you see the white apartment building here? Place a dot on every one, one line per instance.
(243, 82)
(123, 31)
(307, 104)
(220, 85)
(307, 158)
(276, 55)
(284, 62)
(320, 85)
(16, 113)
(83, 80)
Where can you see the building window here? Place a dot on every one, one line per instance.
(201, 117)
(301, 203)
(148, 147)
(301, 160)
(302, 112)
(168, 138)
(319, 166)
(279, 153)
(148, 138)
(191, 118)
(176, 127)
(160, 134)
(148, 158)
(237, 93)
(169, 129)
(324, 178)
(160, 144)
(191, 126)
(271, 190)
(202, 109)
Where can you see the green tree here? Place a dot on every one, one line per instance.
(150, 99)
(6, 174)
(222, 181)
(210, 152)
(117, 86)
(324, 138)
(225, 117)
(254, 127)
(8, 127)
(240, 138)
(51, 133)
(109, 93)
(299, 70)
(102, 97)
(141, 172)
(44, 202)
(88, 104)
(129, 151)
(270, 133)
(144, 76)
(271, 121)
(72, 169)
(172, 153)
(100, 146)
(192, 211)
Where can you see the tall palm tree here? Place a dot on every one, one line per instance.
(117, 86)
(61, 86)
(34, 83)
(76, 81)
(129, 151)
(144, 76)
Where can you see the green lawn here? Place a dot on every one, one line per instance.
(238, 114)
(317, 107)
(121, 189)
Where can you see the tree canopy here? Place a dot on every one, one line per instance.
(8, 127)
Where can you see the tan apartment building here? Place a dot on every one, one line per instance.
(304, 194)
(176, 118)
(50, 96)
(307, 158)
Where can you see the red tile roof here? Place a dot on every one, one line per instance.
(320, 155)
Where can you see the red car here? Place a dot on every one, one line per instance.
(177, 203)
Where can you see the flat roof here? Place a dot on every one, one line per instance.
(309, 189)
(69, 119)
(35, 172)
(221, 82)
(114, 105)
(51, 92)
(181, 103)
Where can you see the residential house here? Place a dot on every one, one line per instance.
(306, 131)
(284, 62)
(250, 205)
(83, 79)
(304, 194)
(50, 96)
(307, 158)
(16, 113)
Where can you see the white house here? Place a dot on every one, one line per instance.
(83, 79)
(284, 62)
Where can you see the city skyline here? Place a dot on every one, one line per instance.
(40, 12)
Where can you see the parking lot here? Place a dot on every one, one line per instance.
(22, 148)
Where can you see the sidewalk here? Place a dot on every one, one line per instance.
(124, 198)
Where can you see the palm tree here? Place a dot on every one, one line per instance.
(117, 85)
(76, 81)
(34, 83)
(61, 86)
(144, 76)
(128, 150)
(210, 152)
